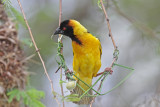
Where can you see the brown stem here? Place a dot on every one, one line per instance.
(60, 18)
(109, 27)
(115, 47)
(37, 50)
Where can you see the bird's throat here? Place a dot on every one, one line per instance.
(75, 39)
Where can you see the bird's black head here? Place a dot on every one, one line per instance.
(65, 29)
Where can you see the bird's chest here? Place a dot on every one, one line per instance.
(83, 64)
(84, 59)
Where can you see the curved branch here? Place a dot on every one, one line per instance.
(60, 18)
(37, 50)
(115, 47)
(109, 27)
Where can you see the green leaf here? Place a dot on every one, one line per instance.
(123, 66)
(99, 4)
(14, 12)
(27, 42)
(35, 94)
(61, 82)
(23, 94)
(30, 97)
(14, 91)
(7, 3)
(36, 103)
(58, 62)
(18, 96)
(18, 16)
(71, 97)
(26, 100)
(12, 94)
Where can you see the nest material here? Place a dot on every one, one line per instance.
(12, 67)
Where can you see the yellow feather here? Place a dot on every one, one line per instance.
(87, 57)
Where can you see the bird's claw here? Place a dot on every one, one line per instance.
(109, 69)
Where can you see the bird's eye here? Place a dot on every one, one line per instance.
(64, 28)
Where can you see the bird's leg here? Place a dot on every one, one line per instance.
(108, 69)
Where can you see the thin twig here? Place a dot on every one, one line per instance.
(115, 47)
(105, 76)
(109, 27)
(110, 35)
(58, 69)
(60, 18)
(37, 50)
(102, 82)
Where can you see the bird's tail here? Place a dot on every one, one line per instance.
(77, 90)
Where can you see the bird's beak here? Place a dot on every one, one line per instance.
(58, 31)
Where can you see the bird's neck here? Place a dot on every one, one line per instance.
(87, 42)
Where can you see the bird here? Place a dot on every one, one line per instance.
(87, 53)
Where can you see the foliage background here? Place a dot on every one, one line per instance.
(137, 34)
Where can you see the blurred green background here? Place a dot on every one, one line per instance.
(136, 29)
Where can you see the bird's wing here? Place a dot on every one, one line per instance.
(100, 48)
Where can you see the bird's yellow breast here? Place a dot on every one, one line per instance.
(86, 60)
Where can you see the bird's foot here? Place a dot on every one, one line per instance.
(108, 69)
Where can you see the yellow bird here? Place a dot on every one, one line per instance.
(86, 55)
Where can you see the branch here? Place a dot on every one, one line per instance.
(109, 27)
(116, 52)
(37, 50)
(61, 51)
